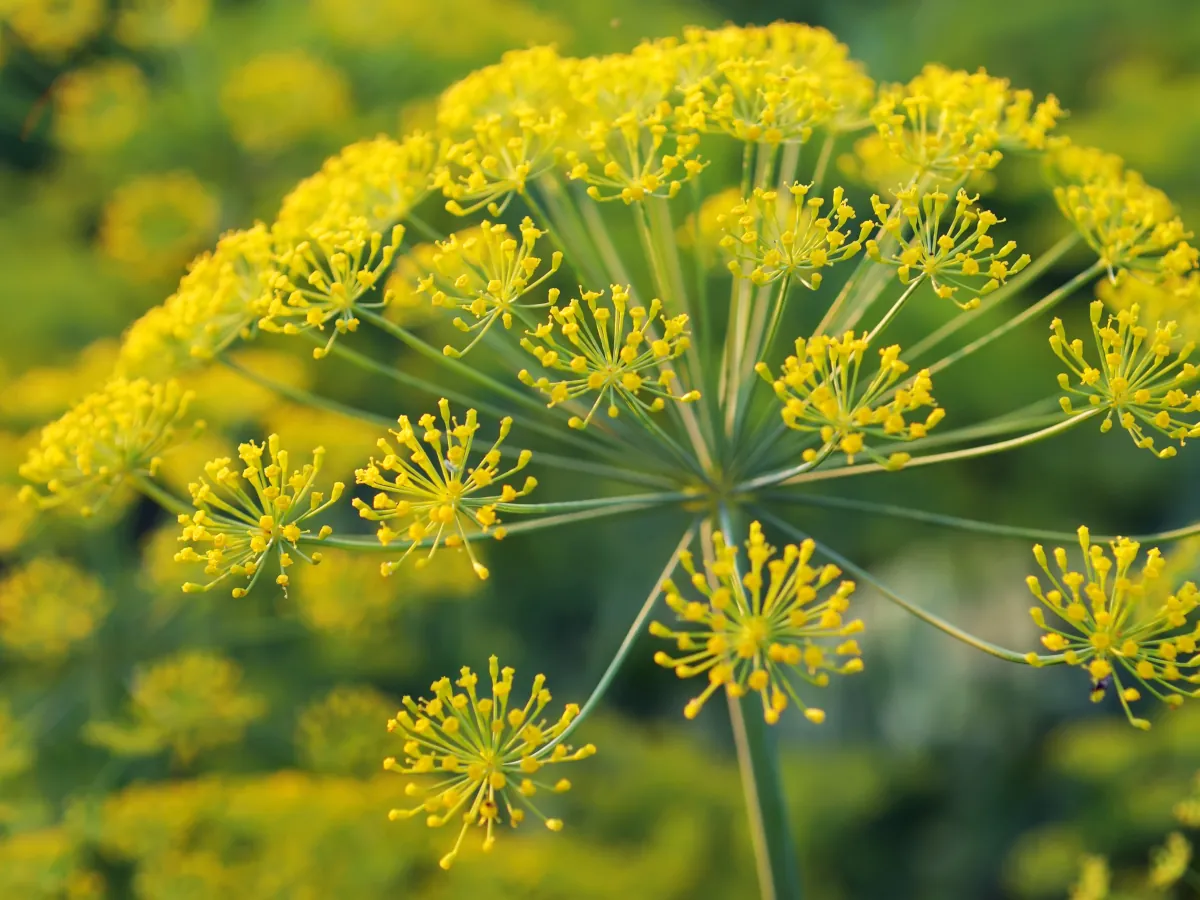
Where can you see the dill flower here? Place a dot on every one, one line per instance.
(112, 435)
(1094, 879)
(1187, 810)
(1115, 627)
(1127, 223)
(704, 229)
(278, 99)
(953, 123)
(963, 250)
(218, 301)
(433, 494)
(341, 732)
(247, 515)
(1138, 381)
(1170, 862)
(54, 28)
(406, 304)
(160, 23)
(379, 180)
(42, 392)
(631, 151)
(620, 363)
(770, 239)
(1171, 298)
(506, 122)
(47, 606)
(342, 438)
(485, 754)
(153, 224)
(326, 278)
(187, 703)
(16, 744)
(760, 634)
(15, 518)
(485, 273)
(821, 393)
(100, 106)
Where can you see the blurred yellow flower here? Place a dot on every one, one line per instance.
(278, 99)
(225, 397)
(56, 27)
(43, 392)
(344, 732)
(190, 702)
(15, 518)
(1170, 862)
(159, 23)
(346, 441)
(153, 224)
(45, 865)
(100, 106)
(16, 744)
(47, 606)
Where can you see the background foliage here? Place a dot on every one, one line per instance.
(128, 142)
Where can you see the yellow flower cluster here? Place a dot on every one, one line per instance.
(116, 433)
(434, 493)
(820, 391)
(485, 272)
(1109, 621)
(160, 23)
(1140, 380)
(342, 732)
(950, 123)
(153, 224)
(99, 107)
(278, 99)
(770, 239)
(963, 250)
(47, 606)
(54, 28)
(614, 351)
(245, 516)
(761, 630)
(187, 703)
(484, 752)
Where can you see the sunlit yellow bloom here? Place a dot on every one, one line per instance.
(343, 732)
(1127, 223)
(484, 755)
(99, 107)
(434, 494)
(16, 517)
(757, 632)
(326, 278)
(962, 250)
(118, 432)
(1112, 625)
(486, 273)
(1170, 862)
(344, 439)
(379, 180)
(629, 150)
(16, 744)
(1137, 381)
(1187, 810)
(769, 85)
(1172, 298)
(820, 390)
(278, 99)
(246, 515)
(953, 123)
(187, 703)
(614, 350)
(56, 27)
(770, 239)
(47, 606)
(159, 23)
(44, 863)
(874, 163)
(507, 121)
(153, 224)
(702, 231)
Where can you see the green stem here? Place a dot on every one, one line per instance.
(161, 496)
(758, 762)
(923, 614)
(614, 665)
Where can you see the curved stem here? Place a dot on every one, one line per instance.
(596, 503)
(923, 614)
(162, 496)
(614, 665)
(969, 525)
(801, 476)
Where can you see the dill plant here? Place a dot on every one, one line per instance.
(673, 365)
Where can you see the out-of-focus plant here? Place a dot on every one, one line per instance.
(650, 364)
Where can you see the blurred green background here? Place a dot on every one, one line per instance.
(132, 134)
